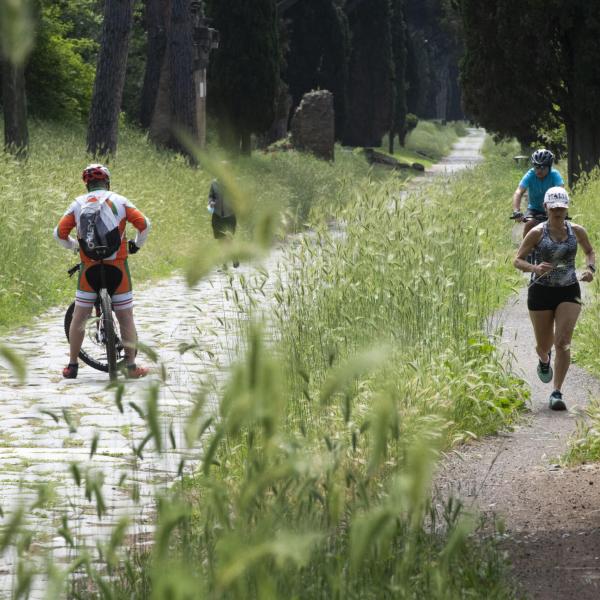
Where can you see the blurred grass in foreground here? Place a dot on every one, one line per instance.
(315, 480)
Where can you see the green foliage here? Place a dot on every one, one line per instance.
(60, 73)
(586, 343)
(431, 139)
(584, 445)
(528, 75)
(16, 30)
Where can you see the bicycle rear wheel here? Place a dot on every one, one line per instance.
(93, 350)
(109, 332)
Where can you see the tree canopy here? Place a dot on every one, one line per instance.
(244, 72)
(370, 92)
(375, 56)
(319, 50)
(530, 67)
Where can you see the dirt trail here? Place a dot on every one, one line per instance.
(552, 514)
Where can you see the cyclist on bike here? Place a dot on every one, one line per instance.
(536, 182)
(554, 295)
(97, 180)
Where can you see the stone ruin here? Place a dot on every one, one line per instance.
(313, 126)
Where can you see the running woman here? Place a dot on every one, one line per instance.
(554, 296)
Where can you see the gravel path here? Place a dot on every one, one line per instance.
(49, 423)
(552, 514)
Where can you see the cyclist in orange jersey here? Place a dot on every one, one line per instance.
(97, 180)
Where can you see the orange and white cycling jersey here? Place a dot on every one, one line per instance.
(121, 207)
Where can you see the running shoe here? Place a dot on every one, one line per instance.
(70, 371)
(135, 372)
(556, 401)
(544, 370)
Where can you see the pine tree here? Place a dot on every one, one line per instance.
(244, 71)
(110, 78)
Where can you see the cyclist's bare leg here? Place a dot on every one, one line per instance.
(543, 328)
(565, 317)
(128, 333)
(77, 331)
(529, 225)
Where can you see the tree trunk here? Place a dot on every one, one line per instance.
(246, 145)
(156, 19)
(181, 63)
(16, 134)
(583, 142)
(110, 78)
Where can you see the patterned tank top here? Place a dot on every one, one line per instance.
(561, 255)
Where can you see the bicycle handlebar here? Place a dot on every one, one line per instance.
(74, 269)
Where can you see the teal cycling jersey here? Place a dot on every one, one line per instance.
(537, 188)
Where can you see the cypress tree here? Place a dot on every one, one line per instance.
(319, 40)
(244, 72)
(530, 64)
(156, 25)
(181, 81)
(371, 74)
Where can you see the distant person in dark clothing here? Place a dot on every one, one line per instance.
(223, 218)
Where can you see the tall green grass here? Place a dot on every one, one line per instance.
(34, 194)
(422, 275)
(315, 481)
(433, 139)
(585, 443)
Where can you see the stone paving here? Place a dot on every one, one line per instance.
(50, 423)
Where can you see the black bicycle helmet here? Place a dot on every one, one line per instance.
(542, 158)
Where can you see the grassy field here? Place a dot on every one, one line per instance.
(315, 481)
(34, 194)
(427, 143)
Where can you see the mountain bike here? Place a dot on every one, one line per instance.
(102, 348)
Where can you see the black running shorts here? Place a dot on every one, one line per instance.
(544, 297)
